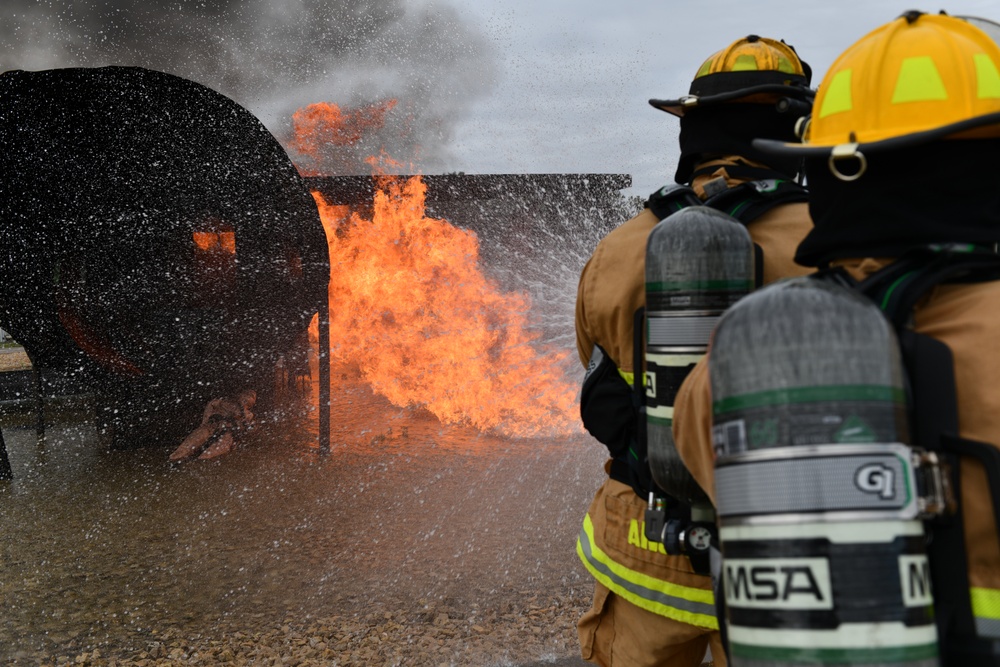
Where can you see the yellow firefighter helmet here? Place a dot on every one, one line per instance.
(750, 67)
(918, 78)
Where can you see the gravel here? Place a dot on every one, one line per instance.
(529, 632)
(14, 359)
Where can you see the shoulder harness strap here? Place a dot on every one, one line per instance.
(896, 289)
(748, 201)
(671, 198)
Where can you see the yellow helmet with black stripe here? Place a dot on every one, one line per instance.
(751, 69)
(753, 54)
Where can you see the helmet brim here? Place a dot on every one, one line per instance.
(826, 148)
(675, 107)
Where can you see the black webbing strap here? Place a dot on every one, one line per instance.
(958, 641)
(638, 383)
(758, 266)
(898, 287)
(625, 467)
(671, 198)
(638, 451)
(748, 201)
(934, 416)
(929, 363)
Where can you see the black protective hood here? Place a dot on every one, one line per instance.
(943, 192)
(729, 129)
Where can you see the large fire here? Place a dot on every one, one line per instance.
(412, 309)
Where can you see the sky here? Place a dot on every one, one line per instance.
(582, 74)
(490, 86)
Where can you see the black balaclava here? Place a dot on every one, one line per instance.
(728, 129)
(943, 192)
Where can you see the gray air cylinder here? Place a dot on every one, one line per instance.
(823, 554)
(699, 262)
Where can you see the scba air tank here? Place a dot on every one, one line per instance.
(699, 262)
(823, 552)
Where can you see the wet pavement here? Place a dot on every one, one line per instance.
(111, 550)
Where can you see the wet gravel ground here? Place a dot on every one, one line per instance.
(410, 544)
(13, 359)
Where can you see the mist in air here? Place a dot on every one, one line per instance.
(276, 57)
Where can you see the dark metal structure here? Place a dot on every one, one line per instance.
(157, 246)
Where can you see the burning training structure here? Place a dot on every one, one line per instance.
(162, 251)
(158, 246)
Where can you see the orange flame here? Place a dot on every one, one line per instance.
(412, 309)
(322, 125)
(215, 241)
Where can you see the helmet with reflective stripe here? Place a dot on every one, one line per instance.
(918, 78)
(743, 71)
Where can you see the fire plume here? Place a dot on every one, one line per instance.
(412, 309)
(323, 125)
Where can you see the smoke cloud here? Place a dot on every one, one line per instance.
(276, 56)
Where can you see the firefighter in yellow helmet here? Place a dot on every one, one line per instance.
(900, 156)
(650, 608)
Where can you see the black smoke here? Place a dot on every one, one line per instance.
(275, 56)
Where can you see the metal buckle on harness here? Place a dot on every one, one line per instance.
(935, 495)
(655, 518)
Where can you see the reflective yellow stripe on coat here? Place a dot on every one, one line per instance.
(694, 606)
(986, 610)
